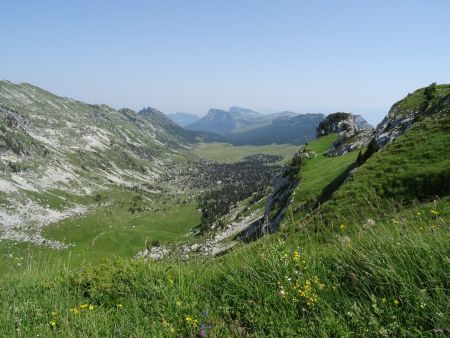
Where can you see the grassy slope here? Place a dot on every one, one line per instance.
(415, 166)
(108, 230)
(412, 101)
(318, 172)
(387, 280)
(101, 234)
(389, 277)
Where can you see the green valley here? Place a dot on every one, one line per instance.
(202, 244)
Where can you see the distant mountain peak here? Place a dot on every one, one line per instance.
(149, 111)
(183, 119)
(216, 111)
(243, 111)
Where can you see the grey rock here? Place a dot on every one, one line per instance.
(361, 123)
(394, 125)
(346, 143)
(155, 253)
(354, 132)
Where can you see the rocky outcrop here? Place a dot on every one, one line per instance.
(278, 201)
(274, 210)
(393, 125)
(346, 143)
(155, 253)
(361, 123)
(354, 132)
(430, 100)
(340, 122)
(218, 243)
(434, 99)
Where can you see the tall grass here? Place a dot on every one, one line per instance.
(387, 278)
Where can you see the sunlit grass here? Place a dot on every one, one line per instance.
(386, 278)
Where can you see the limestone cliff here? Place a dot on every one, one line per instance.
(354, 132)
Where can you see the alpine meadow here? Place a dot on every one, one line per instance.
(328, 216)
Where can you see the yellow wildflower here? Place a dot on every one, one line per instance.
(74, 310)
(342, 227)
(119, 305)
(165, 323)
(434, 212)
(396, 302)
(54, 313)
(53, 324)
(172, 330)
(91, 307)
(83, 306)
(418, 213)
(383, 300)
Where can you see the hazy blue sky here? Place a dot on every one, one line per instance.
(303, 56)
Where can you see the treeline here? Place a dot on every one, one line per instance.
(235, 182)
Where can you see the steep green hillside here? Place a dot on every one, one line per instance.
(416, 166)
(320, 174)
(431, 95)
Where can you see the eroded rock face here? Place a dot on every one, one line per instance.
(278, 201)
(394, 125)
(354, 132)
(399, 120)
(346, 143)
(337, 123)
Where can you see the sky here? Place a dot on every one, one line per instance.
(189, 56)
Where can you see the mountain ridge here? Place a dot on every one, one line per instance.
(50, 143)
(244, 126)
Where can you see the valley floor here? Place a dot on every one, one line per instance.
(119, 221)
(381, 273)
